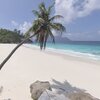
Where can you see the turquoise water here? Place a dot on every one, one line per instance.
(87, 49)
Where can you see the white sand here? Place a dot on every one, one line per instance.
(28, 65)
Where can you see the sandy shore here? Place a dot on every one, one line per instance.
(28, 65)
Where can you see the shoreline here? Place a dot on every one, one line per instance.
(65, 55)
(28, 65)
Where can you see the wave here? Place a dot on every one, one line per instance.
(74, 53)
(93, 56)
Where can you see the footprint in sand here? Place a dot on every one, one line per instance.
(1, 89)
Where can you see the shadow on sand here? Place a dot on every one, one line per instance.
(65, 87)
(1, 89)
(70, 91)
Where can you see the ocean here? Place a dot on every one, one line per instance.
(88, 49)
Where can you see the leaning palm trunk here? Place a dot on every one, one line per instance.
(12, 52)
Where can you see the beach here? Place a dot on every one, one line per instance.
(30, 64)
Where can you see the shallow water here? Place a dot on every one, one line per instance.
(79, 48)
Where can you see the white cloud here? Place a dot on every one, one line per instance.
(22, 27)
(73, 9)
(14, 23)
(25, 26)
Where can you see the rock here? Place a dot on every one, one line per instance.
(49, 95)
(81, 96)
(37, 88)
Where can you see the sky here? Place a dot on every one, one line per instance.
(81, 17)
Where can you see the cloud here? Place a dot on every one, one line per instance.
(73, 9)
(24, 27)
(14, 23)
(83, 36)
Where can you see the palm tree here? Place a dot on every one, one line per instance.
(42, 28)
(48, 24)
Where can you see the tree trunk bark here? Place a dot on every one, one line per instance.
(12, 52)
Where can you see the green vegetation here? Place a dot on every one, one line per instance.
(7, 36)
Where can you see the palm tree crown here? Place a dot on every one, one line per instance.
(45, 24)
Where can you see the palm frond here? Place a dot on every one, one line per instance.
(41, 20)
(33, 28)
(55, 17)
(58, 27)
(42, 7)
(37, 38)
(36, 13)
(36, 24)
(50, 8)
(51, 35)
